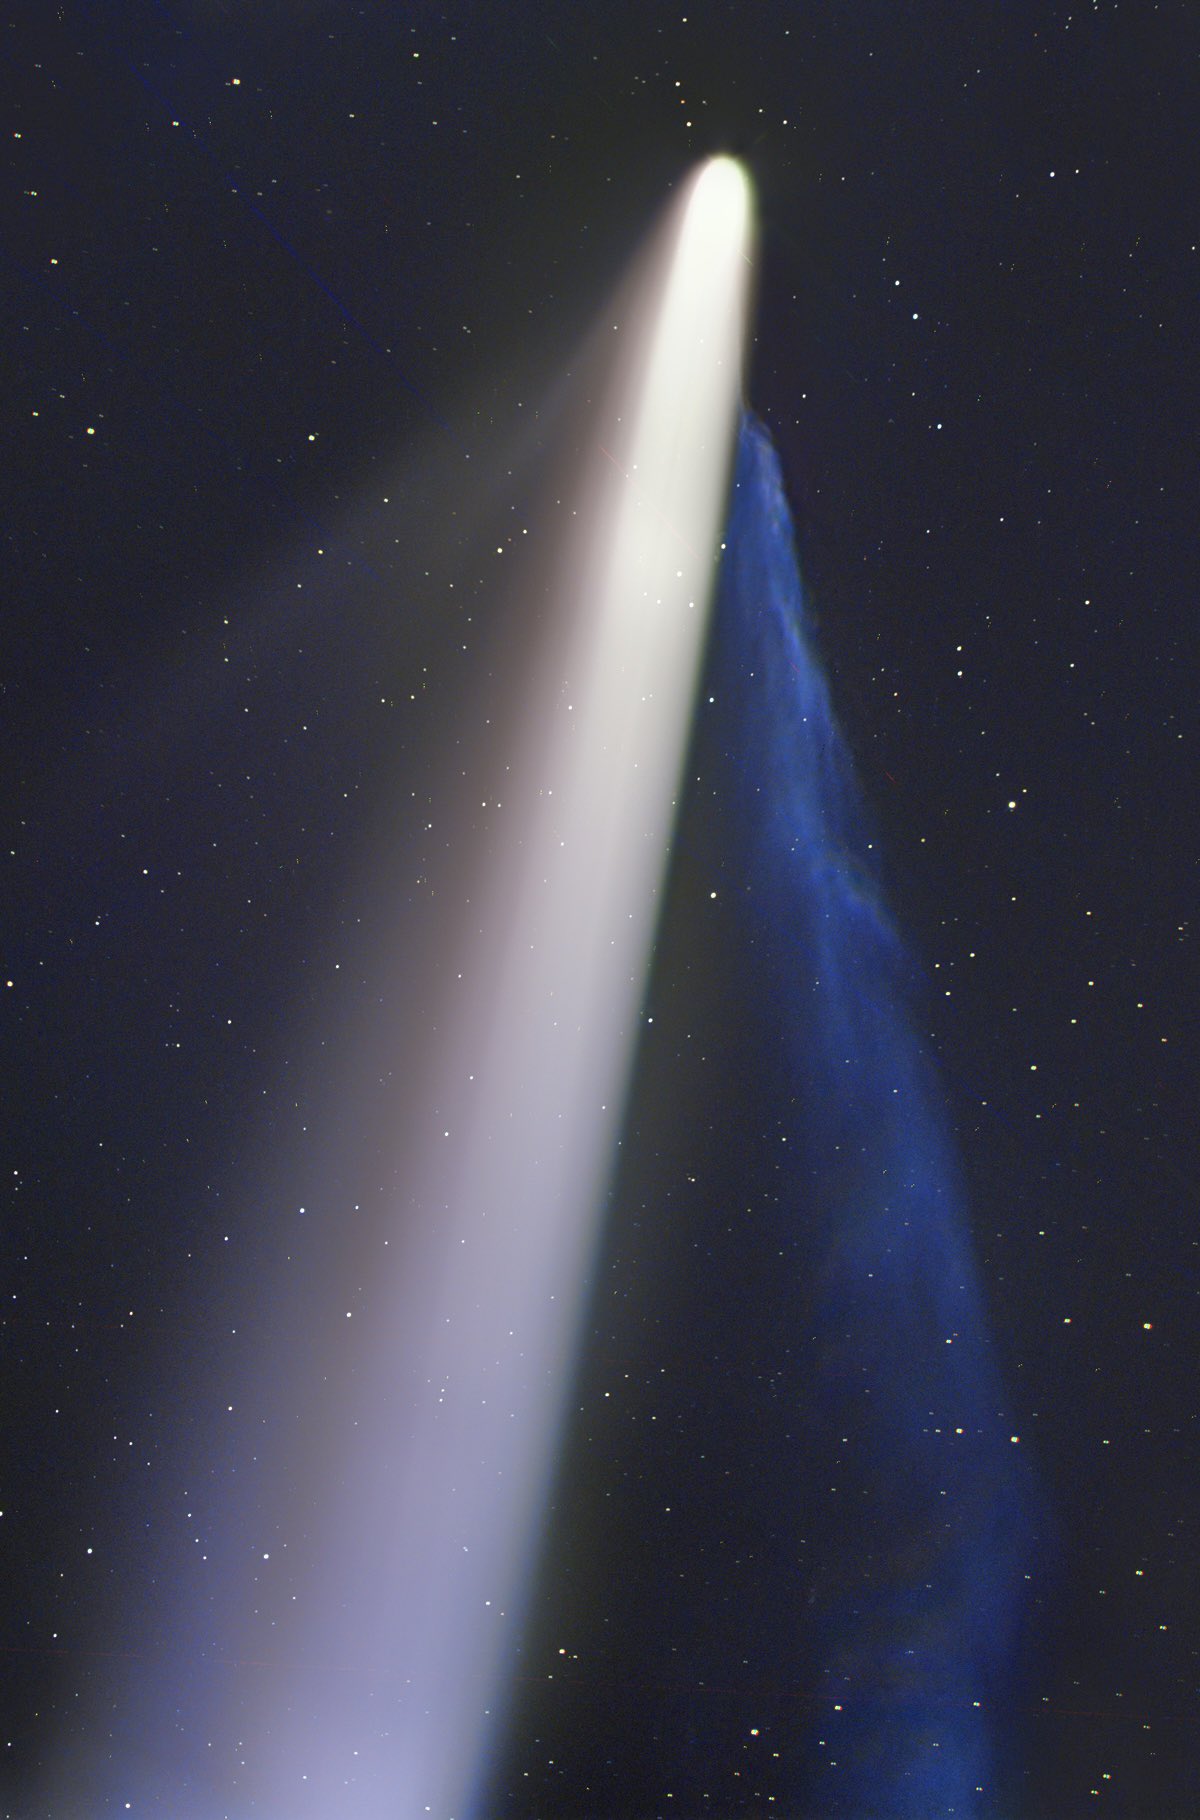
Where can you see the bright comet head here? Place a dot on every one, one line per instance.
(721, 201)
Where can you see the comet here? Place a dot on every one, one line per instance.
(376, 1679)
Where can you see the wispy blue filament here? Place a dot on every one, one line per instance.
(926, 1534)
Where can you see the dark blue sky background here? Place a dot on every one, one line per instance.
(283, 289)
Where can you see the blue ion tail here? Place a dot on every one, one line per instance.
(927, 1546)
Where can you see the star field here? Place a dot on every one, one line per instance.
(290, 295)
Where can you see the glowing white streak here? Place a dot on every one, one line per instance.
(432, 1567)
(429, 1552)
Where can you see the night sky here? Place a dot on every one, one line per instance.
(289, 293)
